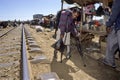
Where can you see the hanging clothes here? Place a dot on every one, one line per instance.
(100, 11)
(89, 9)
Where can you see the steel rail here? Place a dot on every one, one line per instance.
(6, 32)
(25, 69)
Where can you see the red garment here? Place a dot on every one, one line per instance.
(97, 23)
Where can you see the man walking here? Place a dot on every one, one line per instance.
(113, 31)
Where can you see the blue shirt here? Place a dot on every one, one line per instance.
(115, 16)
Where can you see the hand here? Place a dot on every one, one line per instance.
(58, 44)
(78, 34)
(61, 36)
(108, 30)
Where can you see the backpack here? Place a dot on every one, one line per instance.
(58, 18)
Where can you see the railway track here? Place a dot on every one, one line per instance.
(38, 63)
(13, 59)
(20, 55)
(10, 55)
(5, 31)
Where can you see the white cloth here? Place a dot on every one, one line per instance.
(66, 38)
(39, 28)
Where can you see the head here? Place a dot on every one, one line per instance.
(75, 13)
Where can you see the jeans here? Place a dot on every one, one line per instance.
(113, 43)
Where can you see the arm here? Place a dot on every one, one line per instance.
(74, 31)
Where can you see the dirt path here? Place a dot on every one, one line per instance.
(71, 69)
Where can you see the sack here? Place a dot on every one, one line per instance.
(59, 44)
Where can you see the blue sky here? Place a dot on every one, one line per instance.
(24, 9)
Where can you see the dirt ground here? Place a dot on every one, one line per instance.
(73, 68)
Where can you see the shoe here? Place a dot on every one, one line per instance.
(55, 57)
(55, 54)
(108, 64)
(68, 56)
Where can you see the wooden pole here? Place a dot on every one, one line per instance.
(62, 4)
(82, 16)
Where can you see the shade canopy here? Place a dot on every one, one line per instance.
(85, 2)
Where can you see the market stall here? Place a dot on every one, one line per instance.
(99, 34)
